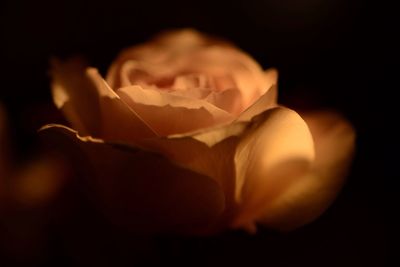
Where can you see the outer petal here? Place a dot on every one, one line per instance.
(210, 153)
(307, 196)
(139, 189)
(91, 106)
(278, 147)
(157, 107)
(75, 95)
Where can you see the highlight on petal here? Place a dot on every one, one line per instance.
(133, 193)
(91, 106)
(171, 114)
(310, 194)
(277, 148)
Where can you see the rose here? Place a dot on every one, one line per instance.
(185, 135)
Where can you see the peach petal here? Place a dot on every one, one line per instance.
(278, 147)
(114, 111)
(209, 152)
(133, 193)
(166, 46)
(91, 106)
(309, 195)
(157, 107)
(229, 100)
(265, 102)
(223, 61)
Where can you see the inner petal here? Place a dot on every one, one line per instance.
(192, 80)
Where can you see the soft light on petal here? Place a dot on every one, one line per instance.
(308, 195)
(278, 147)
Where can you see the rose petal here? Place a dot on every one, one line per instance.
(265, 102)
(91, 106)
(188, 51)
(209, 152)
(309, 195)
(271, 78)
(278, 147)
(139, 189)
(220, 61)
(157, 108)
(230, 100)
(75, 95)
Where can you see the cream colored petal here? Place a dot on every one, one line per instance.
(265, 102)
(140, 190)
(91, 106)
(277, 148)
(171, 114)
(309, 195)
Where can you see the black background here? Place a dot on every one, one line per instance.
(338, 54)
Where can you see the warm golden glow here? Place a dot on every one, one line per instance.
(228, 155)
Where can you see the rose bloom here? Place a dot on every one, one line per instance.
(185, 135)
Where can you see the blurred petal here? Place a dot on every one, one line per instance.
(277, 147)
(309, 195)
(138, 189)
(230, 63)
(39, 182)
(165, 48)
(157, 108)
(91, 106)
(189, 52)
